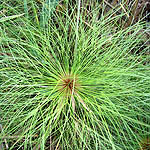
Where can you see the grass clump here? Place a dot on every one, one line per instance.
(78, 83)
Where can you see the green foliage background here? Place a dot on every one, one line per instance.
(108, 106)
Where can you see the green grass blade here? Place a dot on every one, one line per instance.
(7, 18)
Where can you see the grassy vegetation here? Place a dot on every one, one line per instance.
(72, 78)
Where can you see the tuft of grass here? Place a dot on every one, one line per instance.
(47, 10)
(79, 83)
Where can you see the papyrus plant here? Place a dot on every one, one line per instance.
(79, 83)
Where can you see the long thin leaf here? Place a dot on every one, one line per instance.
(26, 8)
(3, 19)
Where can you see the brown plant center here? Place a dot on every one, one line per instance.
(68, 84)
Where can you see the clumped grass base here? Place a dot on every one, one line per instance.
(79, 83)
